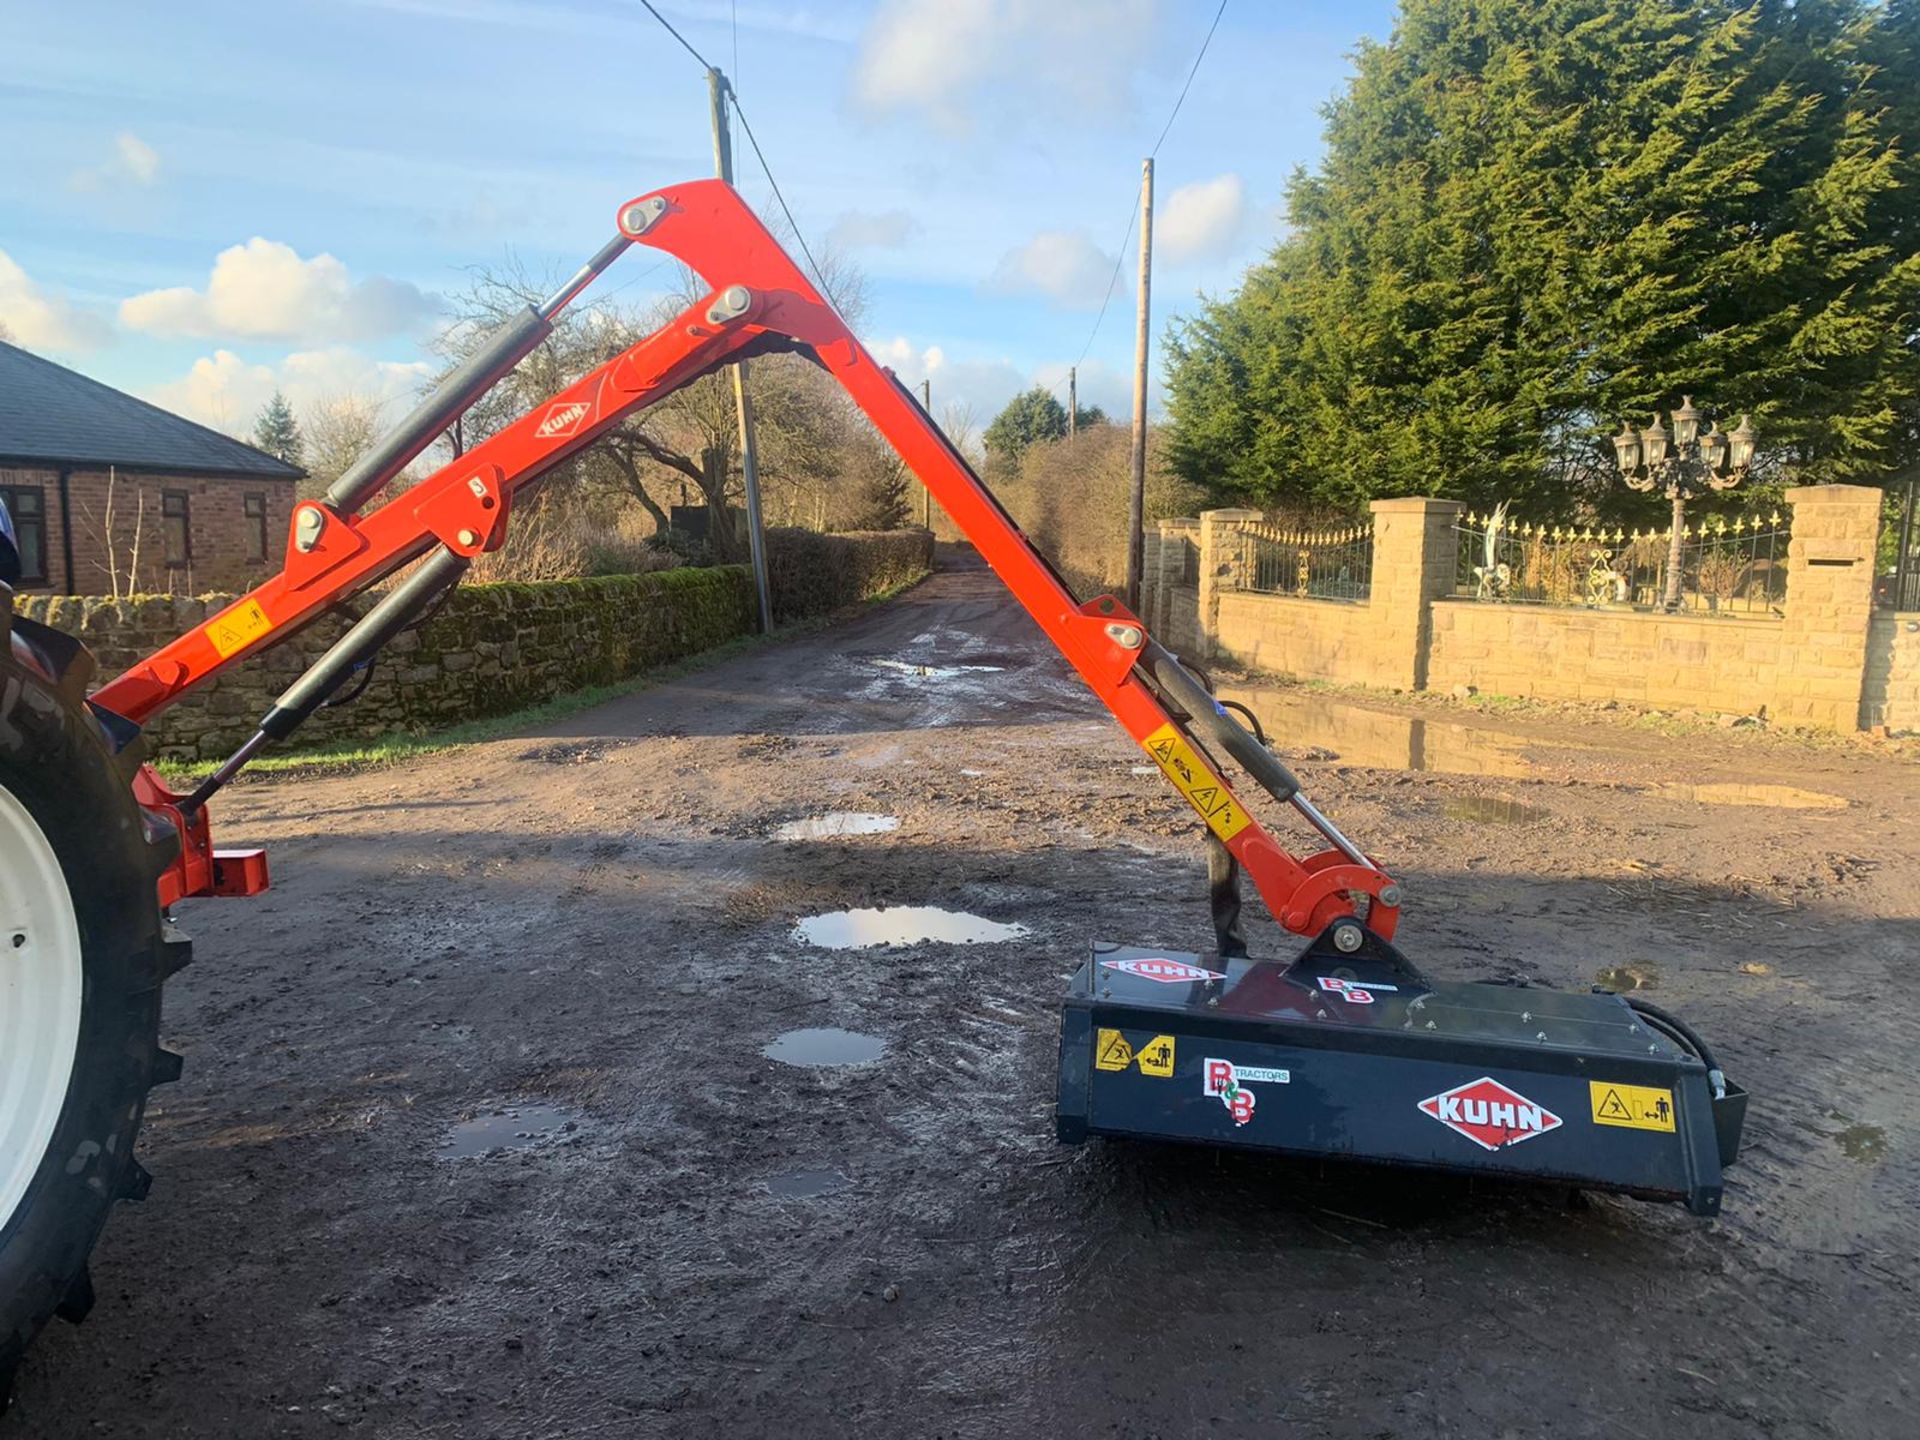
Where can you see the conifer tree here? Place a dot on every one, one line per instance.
(277, 432)
(1537, 217)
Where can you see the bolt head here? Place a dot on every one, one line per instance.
(1348, 936)
(1389, 894)
(638, 217)
(729, 304)
(309, 521)
(468, 537)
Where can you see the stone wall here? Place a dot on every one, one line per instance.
(1303, 639)
(1892, 690)
(1827, 664)
(490, 649)
(1556, 653)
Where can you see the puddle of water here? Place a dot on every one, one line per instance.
(1627, 977)
(1777, 797)
(512, 1127)
(806, 1184)
(935, 672)
(815, 1048)
(571, 752)
(902, 925)
(1319, 727)
(1493, 810)
(1865, 1143)
(836, 823)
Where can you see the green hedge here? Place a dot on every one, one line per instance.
(814, 574)
(492, 649)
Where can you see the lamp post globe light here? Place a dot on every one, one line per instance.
(1685, 464)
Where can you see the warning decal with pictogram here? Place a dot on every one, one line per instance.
(1632, 1107)
(1111, 1051)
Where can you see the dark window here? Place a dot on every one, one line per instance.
(256, 508)
(174, 520)
(27, 505)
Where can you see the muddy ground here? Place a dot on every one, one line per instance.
(599, 918)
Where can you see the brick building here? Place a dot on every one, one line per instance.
(111, 495)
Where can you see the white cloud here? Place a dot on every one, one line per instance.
(226, 392)
(1201, 221)
(861, 230)
(133, 162)
(941, 57)
(39, 321)
(137, 158)
(1064, 265)
(264, 290)
(987, 385)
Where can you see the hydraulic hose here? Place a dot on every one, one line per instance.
(1678, 1029)
(1177, 683)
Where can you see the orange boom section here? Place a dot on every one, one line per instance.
(760, 303)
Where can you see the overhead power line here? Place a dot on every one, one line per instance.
(684, 43)
(819, 278)
(733, 96)
(1132, 210)
(1155, 152)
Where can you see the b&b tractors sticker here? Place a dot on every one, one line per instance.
(1228, 1083)
(1354, 992)
(1489, 1114)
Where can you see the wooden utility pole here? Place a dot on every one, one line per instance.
(1137, 497)
(1073, 401)
(742, 401)
(926, 495)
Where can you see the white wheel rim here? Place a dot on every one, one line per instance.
(40, 990)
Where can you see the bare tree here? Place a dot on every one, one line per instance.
(117, 547)
(689, 441)
(337, 431)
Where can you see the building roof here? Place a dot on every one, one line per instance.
(58, 416)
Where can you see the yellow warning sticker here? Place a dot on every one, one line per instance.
(233, 629)
(1634, 1107)
(1156, 1057)
(1194, 779)
(1112, 1052)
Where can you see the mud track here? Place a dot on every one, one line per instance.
(701, 1240)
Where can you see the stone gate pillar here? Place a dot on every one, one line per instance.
(1415, 562)
(1823, 645)
(1224, 557)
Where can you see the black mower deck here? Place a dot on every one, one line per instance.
(1354, 1057)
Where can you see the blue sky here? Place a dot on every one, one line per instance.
(203, 201)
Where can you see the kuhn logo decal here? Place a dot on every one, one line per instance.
(1167, 972)
(1489, 1114)
(563, 420)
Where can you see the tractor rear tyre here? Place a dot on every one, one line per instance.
(83, 953)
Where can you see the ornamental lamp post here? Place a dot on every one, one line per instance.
(1684, 464)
